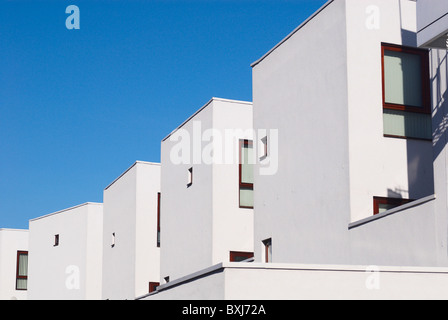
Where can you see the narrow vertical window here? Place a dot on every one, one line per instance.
(158, 219)
(246, 175)
(56, 240)
(406, 92)
(112, 241)
(22, 270)
(267, 244)
(190, 177)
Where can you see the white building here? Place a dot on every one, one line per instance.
(207, 197)
(65, 260)
(357, 208)
(357, 140)
(13, 264)
(131, 246)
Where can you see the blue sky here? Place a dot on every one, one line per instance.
(78, 107)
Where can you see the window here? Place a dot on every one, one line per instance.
(381, 204)
(56, 240)
(246, 174)
(153, 286)
(22, 270)
(190, 177)
(237, 256)
(112, 242)
(406, 92)
(267, 244)
(264, 148)
(158, 219)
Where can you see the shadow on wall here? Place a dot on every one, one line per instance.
(439, 88)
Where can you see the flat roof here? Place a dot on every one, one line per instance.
(292, 33)
(133, 165)
(61, 211)
(202, 108)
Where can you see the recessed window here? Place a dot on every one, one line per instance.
(246, 174)
(237, 256)
(153, 286)
(56, 240)
(406, 92)
(264, 148)
(190, 177)
(382, 204)
(112, 241)
(22, 270)
(158, 218)
(267, 246)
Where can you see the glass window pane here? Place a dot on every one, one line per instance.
(407, 124)
(403, 78)
(23, 265)
(246, 197)
(247, 161)
(21, 284)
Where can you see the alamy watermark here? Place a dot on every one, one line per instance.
(213, 146)
(73, 20)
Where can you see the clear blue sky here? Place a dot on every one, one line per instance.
(78, 107)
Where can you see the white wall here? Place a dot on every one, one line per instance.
(300, 89)
(11, 241)
(71, 270)
(380, 166)
(241, 281)
(130, 212)
(202, 223)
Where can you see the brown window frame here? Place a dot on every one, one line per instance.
(240, 254)
(243, 185)
(19, 277)
(153, 286)
(391, 201)
(425, 80)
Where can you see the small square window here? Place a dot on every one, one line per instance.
(190, 177)
(264, 148)
(153, 286)
(112, 241)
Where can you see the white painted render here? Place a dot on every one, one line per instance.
(321, 88)
(131, 258)
(72, 270)
(432, 23)
(202, 223)
(263, 281)
(11, 241)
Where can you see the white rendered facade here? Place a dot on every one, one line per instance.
(341, 158)
(12, 243)
(65, 261)
(201, 220)
(131, 256)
